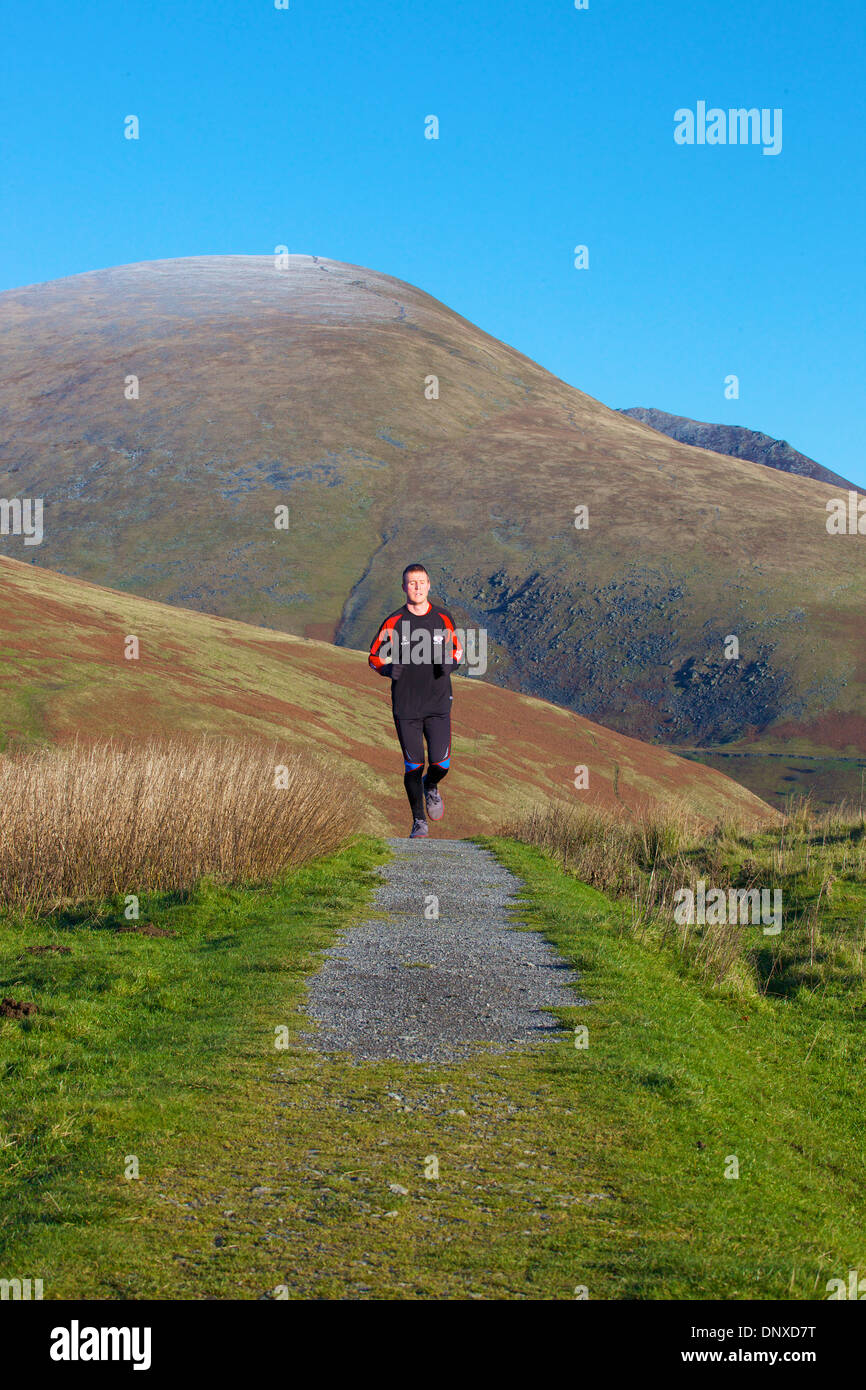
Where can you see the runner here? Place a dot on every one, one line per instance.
(417, 647)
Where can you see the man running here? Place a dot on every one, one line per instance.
(416, 647)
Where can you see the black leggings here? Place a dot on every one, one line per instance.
(435, 729)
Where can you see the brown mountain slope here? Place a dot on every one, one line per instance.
(305, 387)
(63, 674)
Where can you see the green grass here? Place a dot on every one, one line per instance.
(139, 1043)
(819, 869)
(692, 1075)
(816, 865)
(265, 1170)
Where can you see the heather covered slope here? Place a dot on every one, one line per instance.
(63, 673)
(306, 387)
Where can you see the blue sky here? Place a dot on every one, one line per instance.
(305, 127)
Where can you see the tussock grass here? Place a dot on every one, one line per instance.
(87, 822)
(817, 860)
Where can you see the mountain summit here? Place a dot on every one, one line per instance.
(737, 441)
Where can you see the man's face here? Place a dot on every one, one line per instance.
(416, 586)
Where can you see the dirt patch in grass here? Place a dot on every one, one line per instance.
(16, 1008)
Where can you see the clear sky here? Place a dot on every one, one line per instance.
(305, 127)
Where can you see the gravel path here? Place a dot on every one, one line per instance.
(403, 986)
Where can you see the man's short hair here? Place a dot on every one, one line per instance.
(409, 569)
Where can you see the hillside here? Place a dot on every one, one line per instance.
(305, 387)
(737, 441)
(63, 674)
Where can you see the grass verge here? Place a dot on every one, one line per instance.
(810, 867)
(266, 1173)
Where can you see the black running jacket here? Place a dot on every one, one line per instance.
(418, 654)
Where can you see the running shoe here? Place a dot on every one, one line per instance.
(433, 800)
(419, 827)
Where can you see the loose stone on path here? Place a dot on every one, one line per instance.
(402, 986)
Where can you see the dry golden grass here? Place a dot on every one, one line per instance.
(610, 850)
(84, 822)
